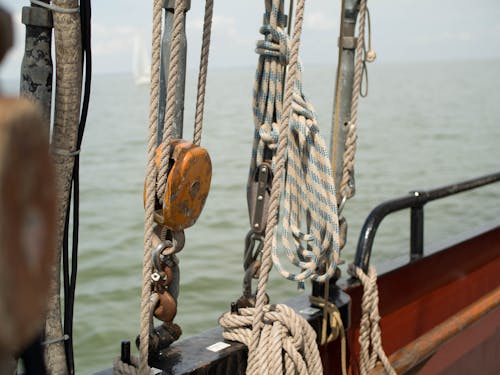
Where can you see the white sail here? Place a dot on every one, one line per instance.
(141, 66)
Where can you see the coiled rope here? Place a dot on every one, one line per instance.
(309, 229)
(278, 339)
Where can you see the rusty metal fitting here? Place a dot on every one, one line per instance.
(166, 308)
(161, 337)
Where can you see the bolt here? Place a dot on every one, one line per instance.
(260, 197)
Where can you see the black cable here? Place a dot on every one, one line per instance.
(70, 279)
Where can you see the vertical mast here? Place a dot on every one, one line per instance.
(165, 60)
(343, 89)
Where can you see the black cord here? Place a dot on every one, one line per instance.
(70, 279)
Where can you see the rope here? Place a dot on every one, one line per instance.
(308, 177)
(369, 331)
(122, 368)
(156, 179)
(278, 339)
(67, 32)
(332, 313)
(202, 77)
(288, 342)
(309, 200)
(171, 96)
(150, 188)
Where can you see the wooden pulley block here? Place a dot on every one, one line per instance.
(27, 223)
(188, 184)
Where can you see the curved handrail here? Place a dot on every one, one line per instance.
(416, 201)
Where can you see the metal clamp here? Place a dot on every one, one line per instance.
(36, 16)
(258, 197)
(170, 5)
(348, 42)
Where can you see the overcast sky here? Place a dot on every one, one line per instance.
(403, 30)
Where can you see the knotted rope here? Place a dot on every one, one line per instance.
(285, 334)
(262, 328)
(274, 54)
(369, 331)
(310, 210)
(308, 199)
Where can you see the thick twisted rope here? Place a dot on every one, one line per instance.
(312, 227)
(369, 331)
(156, 180)
(171, 96)
(202, 76)
(255, 361)
(350, 144)
(268, 84)
(272, 348)
(284, 334)
(150, 188)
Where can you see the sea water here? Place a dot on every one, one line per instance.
(423, 125)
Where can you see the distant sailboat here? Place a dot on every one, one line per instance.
(141, 67)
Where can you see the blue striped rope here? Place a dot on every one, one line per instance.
(308, 234)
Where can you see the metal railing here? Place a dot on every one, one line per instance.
(415, 201)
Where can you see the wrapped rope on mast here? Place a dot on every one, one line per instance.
(67, 31)
(36, 68)
(169, 6)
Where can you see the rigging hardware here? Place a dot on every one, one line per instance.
(187, 187)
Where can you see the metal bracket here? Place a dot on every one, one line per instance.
(36, 16)
(170, 5)
(348, 42)
(258, 197)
